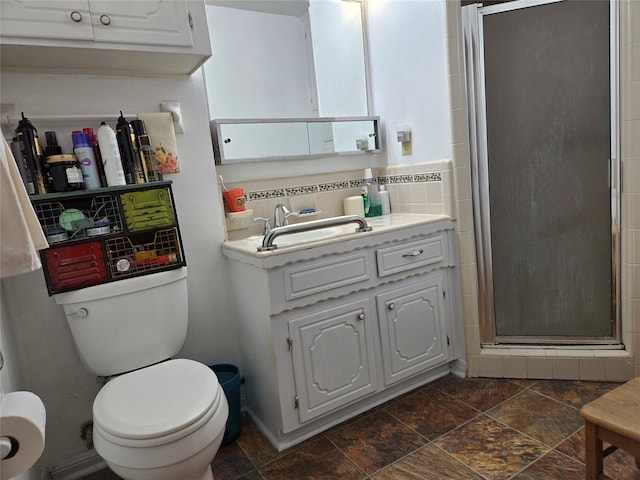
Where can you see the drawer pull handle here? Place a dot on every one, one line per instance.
(361, 316)
(392, 306)
(76, 16)
(105, 20)
(415, 253)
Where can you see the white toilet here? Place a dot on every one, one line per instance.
(165, 419)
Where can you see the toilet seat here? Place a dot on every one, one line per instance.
(157, 404)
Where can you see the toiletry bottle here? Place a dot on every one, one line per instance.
(130, 161)
(384, 200)
(25, 174)
(364, 192)
(147, 155)
(52, 147)
(96, 153)
(27, 135)
(110, 156)
(84, 153)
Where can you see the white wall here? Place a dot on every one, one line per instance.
(50, 365)
(409, 80)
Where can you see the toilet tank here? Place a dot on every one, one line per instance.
(128, 324)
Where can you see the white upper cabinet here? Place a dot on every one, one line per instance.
(151, 22)
(68, 19)
(104, 36)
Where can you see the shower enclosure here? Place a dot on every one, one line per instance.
(542, 95)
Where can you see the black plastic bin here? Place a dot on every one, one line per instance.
(229, 379)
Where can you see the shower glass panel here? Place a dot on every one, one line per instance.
(543, 172)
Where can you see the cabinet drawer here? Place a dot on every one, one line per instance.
(399, 258)
(143, 253)
(148, 209)
(74, 267)
(325, 275)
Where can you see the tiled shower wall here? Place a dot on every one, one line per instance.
(583, 364)
(420, 188)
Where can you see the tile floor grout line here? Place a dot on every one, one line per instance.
(460, 461)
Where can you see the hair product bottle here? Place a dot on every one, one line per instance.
(110, 156)
(133, 170)
(27, 135)
(84, 153)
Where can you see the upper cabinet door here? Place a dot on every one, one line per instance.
(141, 22)
(68, 19)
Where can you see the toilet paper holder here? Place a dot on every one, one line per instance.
(8, 447)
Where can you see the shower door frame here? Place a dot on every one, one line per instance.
(473, 51)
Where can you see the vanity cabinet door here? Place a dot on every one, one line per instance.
(333, 357)
(412, 328)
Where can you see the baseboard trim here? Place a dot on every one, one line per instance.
(78, 466)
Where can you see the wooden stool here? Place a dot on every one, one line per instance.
(613, 418)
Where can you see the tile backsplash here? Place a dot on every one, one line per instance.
(419, 188)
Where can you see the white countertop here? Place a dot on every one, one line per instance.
(246, 249)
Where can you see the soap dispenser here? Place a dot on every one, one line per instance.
(364, 192)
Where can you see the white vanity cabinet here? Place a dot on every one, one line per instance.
(104, 36)
(329, 331)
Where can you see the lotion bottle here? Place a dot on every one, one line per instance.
(110, 156)
(383, 195)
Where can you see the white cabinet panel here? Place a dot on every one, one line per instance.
(142, 22)
(412, 326)
(333, 359)
(69, 19)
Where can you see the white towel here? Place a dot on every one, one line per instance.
(20, 233)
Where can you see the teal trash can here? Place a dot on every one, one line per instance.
(229, 379)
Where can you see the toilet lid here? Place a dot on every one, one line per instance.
(157, 400)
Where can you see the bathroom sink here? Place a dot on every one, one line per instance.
(308, 236)
(287, 240)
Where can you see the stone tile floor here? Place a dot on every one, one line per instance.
(454, 428)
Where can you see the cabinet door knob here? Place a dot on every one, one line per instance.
(415, 253)
(76, 16)
(392, 306)
(361, 316)
(105, 20)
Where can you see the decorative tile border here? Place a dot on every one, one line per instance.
(343, 185)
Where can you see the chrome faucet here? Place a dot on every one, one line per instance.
(282, 220)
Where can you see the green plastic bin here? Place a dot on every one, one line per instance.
(229, 379)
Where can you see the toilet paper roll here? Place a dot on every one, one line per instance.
(22, 419)
(353, 205)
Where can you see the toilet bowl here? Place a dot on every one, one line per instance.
(163, 422)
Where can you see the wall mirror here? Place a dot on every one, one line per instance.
(244, 140)
(285, 59)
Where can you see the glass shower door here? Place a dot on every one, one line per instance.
(544, 197)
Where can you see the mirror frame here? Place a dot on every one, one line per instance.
(218, 143)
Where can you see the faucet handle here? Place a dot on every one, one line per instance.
(287, 215)
(267, 224)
